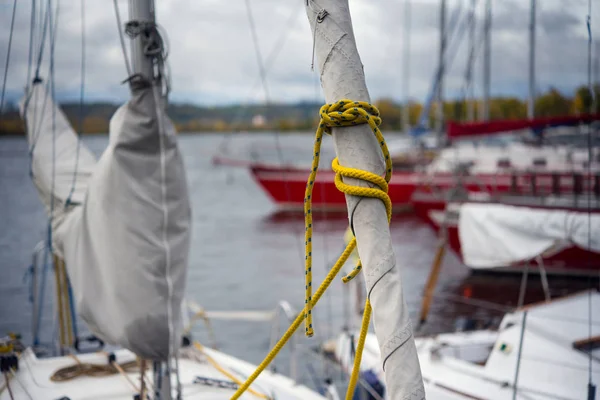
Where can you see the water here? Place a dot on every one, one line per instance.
(244, 256)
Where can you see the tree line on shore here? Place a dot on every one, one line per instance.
(94, 118)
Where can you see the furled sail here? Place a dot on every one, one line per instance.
(342, 77)
(126, 245)
(59, 168)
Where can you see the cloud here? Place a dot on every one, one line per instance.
(213, 60)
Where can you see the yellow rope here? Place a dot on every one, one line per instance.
(228, 374)
(339, 114)
(364, 329)
(59, 299)
(298, 321)
(66, 301)
(65, 318)
(67, 304)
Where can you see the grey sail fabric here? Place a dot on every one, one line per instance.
(126, 246)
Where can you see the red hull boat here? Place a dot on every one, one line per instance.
(521, 168)
(286, 186)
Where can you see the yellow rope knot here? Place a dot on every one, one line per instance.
(339, 114)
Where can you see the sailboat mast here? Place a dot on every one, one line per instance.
(589, 66)
(531, 103)
(342, 76)
(440, 93)
(141, 17)
(470, 96)
(406, 67)
(596, 78)
(487, 60)
(142, 12)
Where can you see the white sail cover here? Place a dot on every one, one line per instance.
(126, 246)
(497, 235)
(53, 146)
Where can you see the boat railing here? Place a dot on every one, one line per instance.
(545, 186)
(285, 309)
(537, 180)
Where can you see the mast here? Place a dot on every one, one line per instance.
(342, 76)
(141, 16)
(141, 11)
(589, 62)
(531, 103)
(406, 68)
(440, 93)
(470, 96)
(596, 79)
(487, 60)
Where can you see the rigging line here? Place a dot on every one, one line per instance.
(32, 46)
(42, 40)
(37, 124)
(589, 192)
(48, 248)
(52, 28)
(326, 257)
(263, 77)
(51, 83)
(445, 63)
(269, 61)
(40, 29)
(7, 386)
(10, 37)
(261, 68)
(122, 38)
(81, 106)
(31, 34)
(467, 87)
(406, 63)
(23, 387)
(44, 14)
(481, 304)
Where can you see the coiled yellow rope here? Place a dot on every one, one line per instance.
(339, 114)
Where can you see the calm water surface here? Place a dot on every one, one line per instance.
(244, 256)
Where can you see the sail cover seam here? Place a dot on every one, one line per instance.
(165, 211)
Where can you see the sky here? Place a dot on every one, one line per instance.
(213, 61)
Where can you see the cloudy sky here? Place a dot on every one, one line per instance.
(213, 61)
